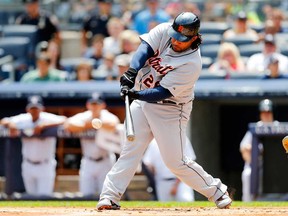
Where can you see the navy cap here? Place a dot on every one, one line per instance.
(266, 105)
(106, 1)
(96, 98)
(29, 1)
(35, 101)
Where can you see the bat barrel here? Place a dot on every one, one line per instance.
(128, 121)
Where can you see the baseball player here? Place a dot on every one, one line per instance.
(167, 64)
(39, 164)
(168, 186)
(96, 161)
(266, 117)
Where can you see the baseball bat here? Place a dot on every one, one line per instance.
(130, 134)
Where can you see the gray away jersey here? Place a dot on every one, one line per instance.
(175, 71)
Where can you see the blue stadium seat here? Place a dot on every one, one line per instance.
(17, 47)
(211, 38)
(213, 27)
(246, 75)
(240, 40)
(206, 74)
(69, 64)
(210, 50)
(29, 31)
(247, 50)
(206, 62)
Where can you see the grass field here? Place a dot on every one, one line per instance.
(136, 204)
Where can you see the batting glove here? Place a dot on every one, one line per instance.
(132, 94)
(128, 78)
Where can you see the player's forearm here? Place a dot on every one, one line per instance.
(153, 94)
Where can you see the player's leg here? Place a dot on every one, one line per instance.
(124, 169)
(184, 193)
(163, 188)
(246, 179)
(28, 171)
(46, 178)
(101, 170)
(168, 124)
(87, 184)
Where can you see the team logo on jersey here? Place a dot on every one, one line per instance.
(155, 63)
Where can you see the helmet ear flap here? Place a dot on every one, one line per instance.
(185, 26)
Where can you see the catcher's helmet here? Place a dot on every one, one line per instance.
(266, 105)
(184, 27)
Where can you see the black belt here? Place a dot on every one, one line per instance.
(170, 102)
(169, 179)
(96, 159)
(36, 162)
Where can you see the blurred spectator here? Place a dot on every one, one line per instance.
(96, 50)
(278, 17)
(96, 22)
(112, 43)
(83, 72)
(38, 164)
(273, 70)
(52, 49)
(228, 59)
(122, 63)
(259, 62)
(96, 161)
(153, 13)
(173, 9)
(43, 71)
(241, 28)
(129, 41)
(190, 6)
(269, 28)
(266, 117)
(47, 23)
(106, 69)
(168, 186)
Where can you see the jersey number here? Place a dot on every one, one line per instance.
(148, 82)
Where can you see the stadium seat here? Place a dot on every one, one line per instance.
(29, 31)
(240, 40)
(246, 75)
(211, 38)
(206, 74)
(69, 64)
(213, 27)
(17, 47)
(247, 50)
(210, 50)
(206, 62)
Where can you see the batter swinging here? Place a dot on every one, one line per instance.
(167, 65)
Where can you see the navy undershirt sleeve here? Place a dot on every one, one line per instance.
(143, 52)
(154, 94)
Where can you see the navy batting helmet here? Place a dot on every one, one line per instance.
(184, 27)
(266, 105)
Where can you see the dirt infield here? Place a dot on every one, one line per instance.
(199, 211)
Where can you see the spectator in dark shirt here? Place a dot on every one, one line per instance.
(96, 50)
(96, 22)
(47, 24)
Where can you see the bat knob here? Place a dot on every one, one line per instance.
(130, 138)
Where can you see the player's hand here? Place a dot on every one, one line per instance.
(132, 94)
(128, 78)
